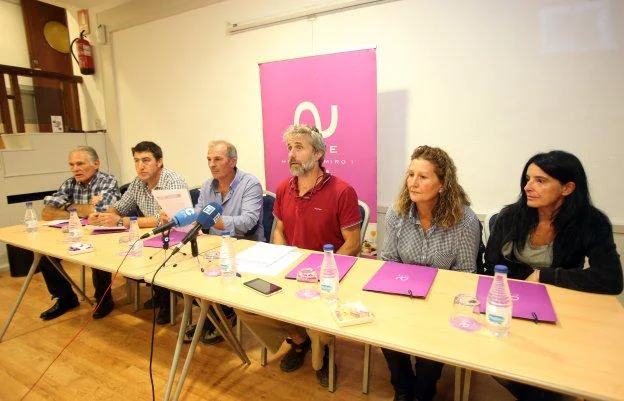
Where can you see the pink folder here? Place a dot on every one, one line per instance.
(175, 237)
(108, 230)
(344, 264)
(403, 279)
(530, 300)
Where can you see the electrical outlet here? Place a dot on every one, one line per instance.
(98, 123)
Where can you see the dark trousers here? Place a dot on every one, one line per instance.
(423, 384)
(525, 392)
(60, 288)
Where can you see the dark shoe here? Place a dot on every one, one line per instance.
(403, 397)
(189, 333)
(105, 308)
(164, 315)
(293, 359)
(211, 337)
(151, 303)
(323, 374)
(60, 307)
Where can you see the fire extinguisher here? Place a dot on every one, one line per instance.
(85, 55)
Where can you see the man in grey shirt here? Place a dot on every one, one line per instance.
(240, 196)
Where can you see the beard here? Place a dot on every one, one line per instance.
(302, 168)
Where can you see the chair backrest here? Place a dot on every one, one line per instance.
(194, 192)
(365, 213)
(488, 224)
(124, 188)
(268, 220)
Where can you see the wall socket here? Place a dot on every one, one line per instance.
(98, 123)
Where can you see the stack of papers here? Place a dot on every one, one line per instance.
(266, 259)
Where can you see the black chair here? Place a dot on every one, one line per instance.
(194, 192)
(124, 188)
(268, 220)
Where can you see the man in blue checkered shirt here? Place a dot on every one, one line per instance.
(87, 191)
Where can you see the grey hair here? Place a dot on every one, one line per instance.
(230, 149)
(312, 134)
(93, 156)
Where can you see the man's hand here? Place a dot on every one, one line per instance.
(104, 219)
(164, 217)
(534, 277)
(95, 199)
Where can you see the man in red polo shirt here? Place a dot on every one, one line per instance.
(312, 208)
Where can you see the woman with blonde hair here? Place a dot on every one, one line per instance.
(430, 224)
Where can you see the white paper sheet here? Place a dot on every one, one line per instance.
(172, 201)
(266, 259)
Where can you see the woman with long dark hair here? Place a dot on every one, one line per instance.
(547, 234)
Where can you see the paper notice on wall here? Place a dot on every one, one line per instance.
(578, 27)
(57, 123)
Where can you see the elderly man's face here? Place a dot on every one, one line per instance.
(221, 166)
(301, 155)
(82, 167)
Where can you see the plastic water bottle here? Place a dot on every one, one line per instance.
(30, 218)
(74, 227)
(499, 303)
(329, 277)
(227, 258)
(134, 234)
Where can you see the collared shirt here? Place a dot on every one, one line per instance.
(242, 206)
(453, 248)
(74, 192)
(138, 195)
(317, 217)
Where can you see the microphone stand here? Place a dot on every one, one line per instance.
(165, 244)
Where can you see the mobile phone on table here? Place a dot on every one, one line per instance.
(263, 286)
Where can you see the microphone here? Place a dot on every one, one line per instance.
(182, 218)
(205, 219)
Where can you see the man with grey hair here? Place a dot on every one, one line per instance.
(87, 191)
(312, 208)
(240, 195)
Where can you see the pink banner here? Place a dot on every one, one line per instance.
(337, 93)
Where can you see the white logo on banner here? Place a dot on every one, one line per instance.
(303, 106)
(401, 277)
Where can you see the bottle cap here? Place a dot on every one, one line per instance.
(133, 218)
(73, 209)
(28, 203)
(500, 269)
(328, 247)
(225, 233)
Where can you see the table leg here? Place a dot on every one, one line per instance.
(20, 296)
(83, 280)
(222, 325)
(366, 368)
(60, 269)
(458, 383)
(191, 351)
(466, 390)
(180, 343)
(332, 366)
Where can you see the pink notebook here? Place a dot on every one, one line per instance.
(403, 279)
(530, 300)
(175, 237)
(344, 264)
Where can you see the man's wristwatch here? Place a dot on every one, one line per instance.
(67, 206)
(120, 222)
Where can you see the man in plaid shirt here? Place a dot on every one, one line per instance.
(87, 191)
(151, 174)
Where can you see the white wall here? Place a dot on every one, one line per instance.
(470, 77)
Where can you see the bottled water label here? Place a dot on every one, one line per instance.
(31, 224)
(498, 315)
(327, 286)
